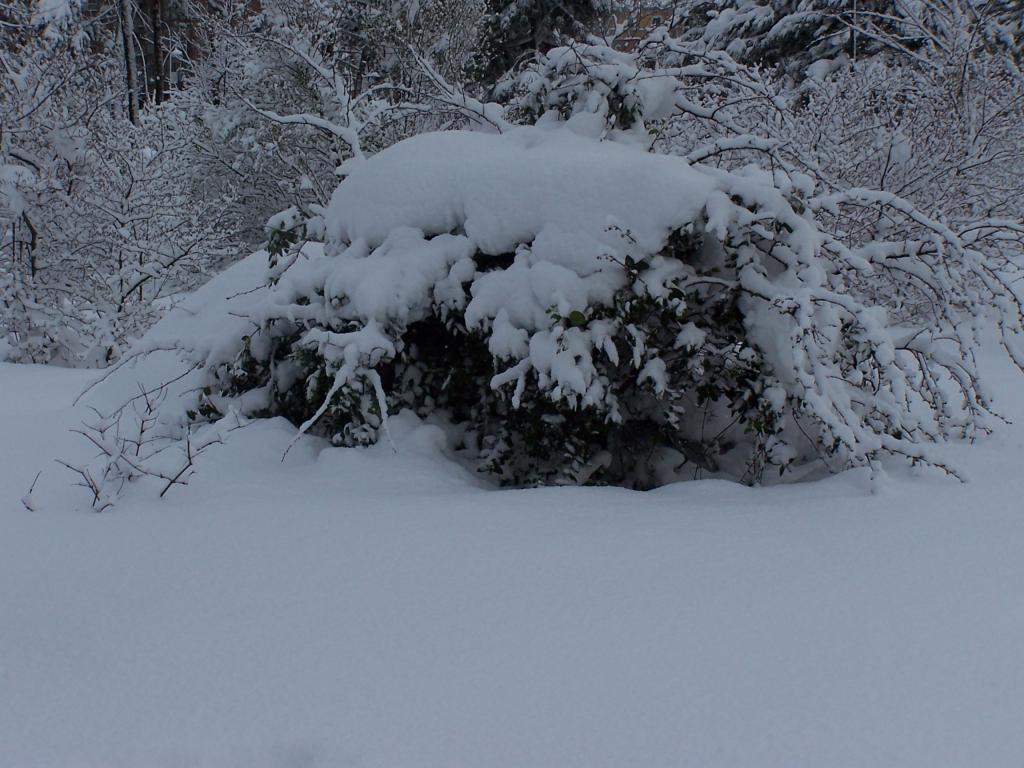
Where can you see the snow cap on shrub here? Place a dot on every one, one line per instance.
(502, 190)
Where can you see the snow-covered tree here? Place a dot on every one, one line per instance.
(103, 220)
(289, 94)
(792, 34)
(511, 33)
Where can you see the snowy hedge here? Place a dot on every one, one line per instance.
(580, 310)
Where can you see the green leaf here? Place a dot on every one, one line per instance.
(577, 318)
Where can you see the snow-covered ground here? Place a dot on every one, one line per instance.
(361, 608)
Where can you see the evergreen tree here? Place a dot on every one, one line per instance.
(791, 34)
(512, 30)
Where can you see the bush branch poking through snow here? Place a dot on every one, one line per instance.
(134, 443)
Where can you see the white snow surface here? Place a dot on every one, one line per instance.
(360, 607)
(505, 189)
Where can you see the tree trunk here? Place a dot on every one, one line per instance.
(130, 65)
(156, 18)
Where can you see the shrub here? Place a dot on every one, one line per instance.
(584, 311)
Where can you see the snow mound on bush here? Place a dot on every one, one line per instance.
(504, 189)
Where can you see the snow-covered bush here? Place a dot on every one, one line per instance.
(102, 221)
(586, 311)
(657, 277)
(949, 138)
(290, 93)
(666, 95)
(892, 154)
(107, 229)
